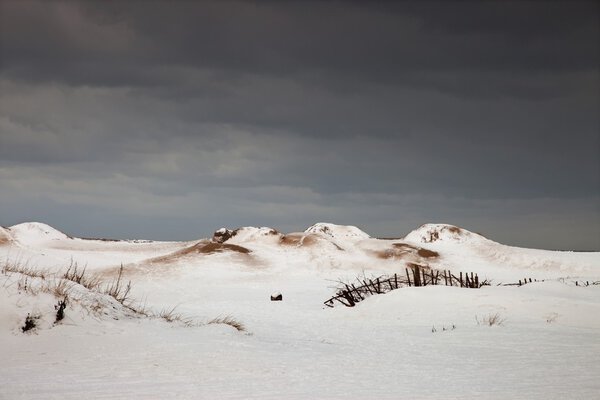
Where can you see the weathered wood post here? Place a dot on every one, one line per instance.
(417, 275)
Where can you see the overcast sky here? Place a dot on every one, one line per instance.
(168, 120)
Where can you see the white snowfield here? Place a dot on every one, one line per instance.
(432, 342)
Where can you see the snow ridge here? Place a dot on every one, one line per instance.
(340, 232)
(36, 232)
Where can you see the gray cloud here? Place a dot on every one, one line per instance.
(285, 113)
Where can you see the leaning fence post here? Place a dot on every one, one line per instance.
(407, 276)
(461, 283)
(417, 275)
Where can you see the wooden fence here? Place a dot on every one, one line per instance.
(349, 294)
(415, 275)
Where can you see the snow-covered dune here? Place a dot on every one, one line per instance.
(33, 233)
(295, 348)
(461, 248)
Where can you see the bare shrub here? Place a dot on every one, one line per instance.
(117, 289)
(490, 320)
(228, 320)
(74, 274)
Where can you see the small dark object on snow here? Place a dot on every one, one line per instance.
(60, 310)
(276, 297)
(30, 322)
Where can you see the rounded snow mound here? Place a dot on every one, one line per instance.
(244, 234)
(36, 231)
(338, 231)
(430, 233)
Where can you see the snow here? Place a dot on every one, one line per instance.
(429, 233)
(413, 343)
(35, 232)
(342, 232)
(251, 234)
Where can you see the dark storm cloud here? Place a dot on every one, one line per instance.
(377, 42)
(314, 108)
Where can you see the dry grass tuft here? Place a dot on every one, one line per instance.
(491, 320)
(60, 288)
(24, 269)
(228, 320)
(169, 315)
(73, 274)
(117, 289)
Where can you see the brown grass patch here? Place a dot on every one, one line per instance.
(205, 247)
(455, 229)
(4, 236)
(405, 247)
(427, 253)
(400, 250)
(201, 247)
(297, 239)
(212, 248)
(228, 320)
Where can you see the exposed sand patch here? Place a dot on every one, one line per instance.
(4, 236)
(428, 253)
(212, 248)
(406, 251)
(455, 229)
(202, 247)
(298, 239)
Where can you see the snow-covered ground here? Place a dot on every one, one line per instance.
(411, 343)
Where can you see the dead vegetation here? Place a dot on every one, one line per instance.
(494, 319)
(79, 276)
(63, 287)
(228, 320)
(405, 250)
(298, 239)
(201, 247)
(169, 315)
(117, 289)
(212, 248)
(24, 269)
(427, 253)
